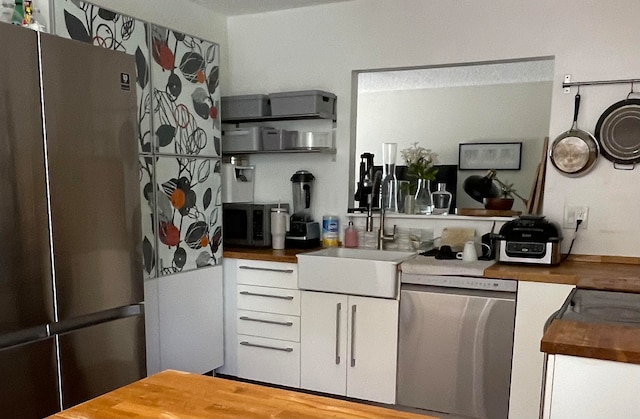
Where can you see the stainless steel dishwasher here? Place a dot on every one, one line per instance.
(455, 344)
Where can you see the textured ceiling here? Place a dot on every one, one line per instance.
(456, 76)
(243, 7)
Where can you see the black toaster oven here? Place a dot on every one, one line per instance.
(530, 239)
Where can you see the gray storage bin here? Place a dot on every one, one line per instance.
(278, 139)
(303, 102)
(245, 106)
(242, 139)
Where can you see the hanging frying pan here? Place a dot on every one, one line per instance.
(618, 132)
(574, 152)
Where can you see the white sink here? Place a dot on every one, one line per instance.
(351, 271)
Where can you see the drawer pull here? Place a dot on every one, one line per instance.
(251, 319)
(256, 294)
(338, 309)
(255, 268)
(275, 348)
(353, 335)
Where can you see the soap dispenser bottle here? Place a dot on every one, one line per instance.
(350, 235)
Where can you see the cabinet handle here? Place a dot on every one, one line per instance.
(251, 319)
(353, 335)
(255, 268)
(256, 294)
(275, 348)
(338, 309)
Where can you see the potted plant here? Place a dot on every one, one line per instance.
(420, 165)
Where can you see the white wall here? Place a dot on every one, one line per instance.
(319, 47)
(181, 15)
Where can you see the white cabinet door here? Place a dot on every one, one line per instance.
(373, 349)
(349, 345)
(323, 337)
(536, 301)
(190, 320)
(588, 388)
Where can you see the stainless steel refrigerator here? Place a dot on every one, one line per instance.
(71, 290)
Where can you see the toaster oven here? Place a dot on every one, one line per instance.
(529, 239)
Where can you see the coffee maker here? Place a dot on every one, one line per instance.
(303, 231)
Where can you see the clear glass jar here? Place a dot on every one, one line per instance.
(441, 200)
(424, 203)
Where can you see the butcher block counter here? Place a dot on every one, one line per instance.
(175, 394)
(612, 342)
(267, 254)
(587, 271)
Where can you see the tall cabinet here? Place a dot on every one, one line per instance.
(179, 155)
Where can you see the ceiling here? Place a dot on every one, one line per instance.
(244, 7)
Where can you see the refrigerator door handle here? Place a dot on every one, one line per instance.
(32, 334)
(96, 318)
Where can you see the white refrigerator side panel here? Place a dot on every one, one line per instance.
(230, 366)
(190, 320)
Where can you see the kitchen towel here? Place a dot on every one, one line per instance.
(425, 265)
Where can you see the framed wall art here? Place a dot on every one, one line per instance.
(487, 156)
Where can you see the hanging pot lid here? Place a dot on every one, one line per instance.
(618, 132)
(574, 152)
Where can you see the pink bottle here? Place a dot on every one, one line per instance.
(350, 235)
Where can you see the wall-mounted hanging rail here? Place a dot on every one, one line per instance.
(568, 83)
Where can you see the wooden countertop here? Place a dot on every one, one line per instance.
(587, 271)
(593, 340)
(175, 394)
(590, 340)
(268, 254)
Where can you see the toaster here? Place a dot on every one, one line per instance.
(529, 239)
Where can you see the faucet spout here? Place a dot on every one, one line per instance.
(373, 192)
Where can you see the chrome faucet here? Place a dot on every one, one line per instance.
(377, 183)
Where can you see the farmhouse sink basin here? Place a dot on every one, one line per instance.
(365, 272)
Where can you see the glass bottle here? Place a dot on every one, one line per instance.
(424, 202)
(441, 200)
(389, 195)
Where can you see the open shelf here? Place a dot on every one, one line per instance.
(296, 117)
(298, 150)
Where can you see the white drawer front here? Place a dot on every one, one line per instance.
(271, 300)
(269, 360)
(268, 325)
(267, 274)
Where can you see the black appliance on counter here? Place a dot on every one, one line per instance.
(248, 223)
(529, 239)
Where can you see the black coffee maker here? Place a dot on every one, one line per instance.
(365, 183)
(303, 232)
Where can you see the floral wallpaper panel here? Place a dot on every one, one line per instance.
(189, 213)
(186, 94)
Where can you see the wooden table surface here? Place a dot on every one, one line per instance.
(175, 394)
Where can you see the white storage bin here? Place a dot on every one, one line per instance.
(245, 106)
(278, 139)
(242, 139)
(302, 102)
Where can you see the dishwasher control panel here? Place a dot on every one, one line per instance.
(468, 282)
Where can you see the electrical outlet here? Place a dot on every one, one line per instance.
(573, 213)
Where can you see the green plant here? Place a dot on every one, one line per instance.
(420, 162)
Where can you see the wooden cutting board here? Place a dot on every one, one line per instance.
(456, 237)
